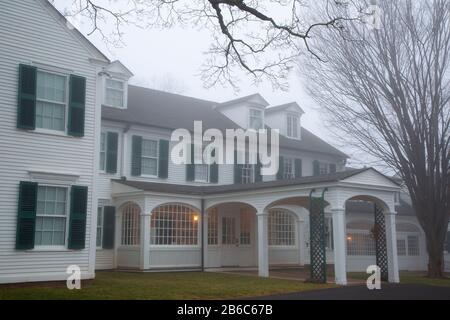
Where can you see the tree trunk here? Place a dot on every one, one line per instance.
(435, 257)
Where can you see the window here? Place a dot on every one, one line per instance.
(201, 172)
(229, 231)
(213, 227)
(293, 122)
(256, 119)
(245, 227)
(401, 247)
(323, 168)
(288, 168)
(114, 93)
(413, 246)
(149, 157)
(51, 216)
(281, 228)
(174, 225)
(360, 244)
(51, 101)
(248, 173)
(131, 225)
(99, 227)
(329, 244)
(103, 151)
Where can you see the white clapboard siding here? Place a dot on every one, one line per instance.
(104, 259)
(30, 32)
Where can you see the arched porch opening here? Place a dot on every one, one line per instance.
(365, 234)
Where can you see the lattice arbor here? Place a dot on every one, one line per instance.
(379, 234)
(317, 238)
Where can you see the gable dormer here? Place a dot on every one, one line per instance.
(115, 78)
(248, 112)
(286, 118)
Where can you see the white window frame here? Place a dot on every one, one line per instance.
(250, 117)
(155, 240)
(324, 168)
(288, 163)
(100, 213)
(130, 237)
(124, 92)
(67, 223)
(293, 125)
(66, 103)
(147, 157)
(292, 233)
(251, 177)
(105, 135)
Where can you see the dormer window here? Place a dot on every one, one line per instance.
(256, 119)
(115, 93)
(293, 126)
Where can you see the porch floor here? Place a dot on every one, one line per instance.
(284, 272)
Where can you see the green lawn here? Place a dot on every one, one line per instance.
(411, 278)
(160, 286)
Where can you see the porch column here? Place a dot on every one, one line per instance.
(145, 241)
(339, 236)
(391, 244)
(263, 244)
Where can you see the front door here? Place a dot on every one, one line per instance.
(230, 241)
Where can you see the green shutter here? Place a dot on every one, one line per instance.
(316, 168)
(109, 224)
(26, 218)
(332, 168)
(298, 168)
(77, 104)
(163, 168)
(280, 174)
(112, 145)
(26, 106)
(78, 215)
(258, 176)
(190, 168)
(214, 170)
(136, 156)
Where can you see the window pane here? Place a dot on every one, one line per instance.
(50, 231)
(149, 166)
(50, 115)
(131, 225)
(413, 246)
(281, 228)
(174, 225)
(360, 244)
(149, 148)
(213, 226)
(114, 98)
(401, 247)
(51, 87)
(114, 84)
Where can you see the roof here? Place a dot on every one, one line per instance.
(284, 107)
(220, 189)
(149, 107)
(243, 99)
(75, 31)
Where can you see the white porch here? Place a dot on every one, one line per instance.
(255, 226)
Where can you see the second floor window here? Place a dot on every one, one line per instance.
(51, 101)
(201, 173)
(293, 124)
(288, 168)
(256, 119)
(149, 157)
(114, 93)
(323, 168)
(248, 173)
(102, 151)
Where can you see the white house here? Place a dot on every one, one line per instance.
(87, 178)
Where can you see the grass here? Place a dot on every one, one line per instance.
(410, 277)
(160, 286)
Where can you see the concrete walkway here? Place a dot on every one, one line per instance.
(387, 292)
